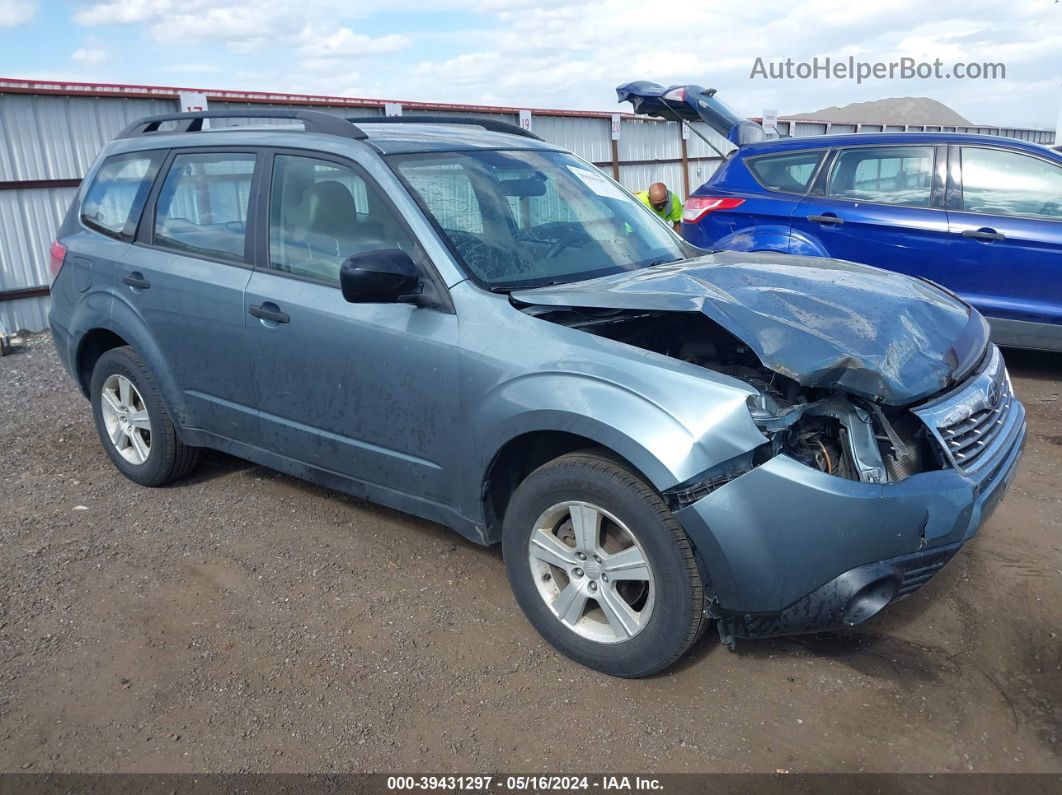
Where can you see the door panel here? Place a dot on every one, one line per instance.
(879, 210)
(1005, 219)
(186, 278)
(365, 390)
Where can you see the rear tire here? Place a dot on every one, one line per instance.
(600, 566)
(133, 423)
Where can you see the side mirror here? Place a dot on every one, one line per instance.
(377, 277)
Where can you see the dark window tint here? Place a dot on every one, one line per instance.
(1008, 183)
(202, 206)
(116, 197)
(887, 175)
(321, 212)
(786, 173)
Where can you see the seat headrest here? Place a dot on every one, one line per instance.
(329, 209)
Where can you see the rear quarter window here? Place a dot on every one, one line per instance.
(788, 173)
(116, 197)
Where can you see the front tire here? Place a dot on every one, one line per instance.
(601, 568)
(132, 421)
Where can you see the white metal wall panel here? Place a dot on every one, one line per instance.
(701, 170)
(696, 147)
(26, 313)
(52, 137)
(28, 223)
(805, 128)
(636, 178)
(590, 138)
(649, 140)
(840, 129)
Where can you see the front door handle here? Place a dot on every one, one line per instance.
(136, 279)
(269, 311)
(825, 219)
(983, 234)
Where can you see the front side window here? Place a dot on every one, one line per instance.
(115, 199)
(786, 173)
(526, 218)
(887, 175)
(202, 206)
(1008, 183)
(321, 212)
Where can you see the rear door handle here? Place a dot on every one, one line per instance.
(983, 234)
(825, 219)
(269, 312)
(136, 279)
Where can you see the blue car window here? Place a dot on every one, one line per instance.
(202, 206)
(321, 212)
(791, 173)
(1008, 183)
(886, 175)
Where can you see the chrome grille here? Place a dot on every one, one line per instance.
(972, 421)
(968, 439)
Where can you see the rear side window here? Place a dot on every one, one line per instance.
(786, 173)
(1008, 183)
(885, 175)
(202, 206)
(116, 197)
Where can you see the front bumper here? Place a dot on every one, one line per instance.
(789, 549)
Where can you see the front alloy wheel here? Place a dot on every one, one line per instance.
(600, 567)
(591, 572)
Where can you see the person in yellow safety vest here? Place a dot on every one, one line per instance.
(662, 202)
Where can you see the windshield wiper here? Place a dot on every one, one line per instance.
(662, 261)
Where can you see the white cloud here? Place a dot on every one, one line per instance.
(16, 12)
(122, 12)
(92, 53)
(556, 53)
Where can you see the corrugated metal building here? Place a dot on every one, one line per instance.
(50, 134)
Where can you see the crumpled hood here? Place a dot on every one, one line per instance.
(822, 322)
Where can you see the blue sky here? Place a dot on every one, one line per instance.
(543, 53)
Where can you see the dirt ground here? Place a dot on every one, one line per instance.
(246, 621)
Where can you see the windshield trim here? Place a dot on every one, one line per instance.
(686, 248)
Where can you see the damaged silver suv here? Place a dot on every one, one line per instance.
(466, 323)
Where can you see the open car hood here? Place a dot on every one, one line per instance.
(690, 103)
(824, 323)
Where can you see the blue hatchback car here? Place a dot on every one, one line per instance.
(980, 215)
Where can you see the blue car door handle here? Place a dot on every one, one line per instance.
(984, 234)
(825, 219)
(269, 311)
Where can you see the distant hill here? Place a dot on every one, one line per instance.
(896, 110)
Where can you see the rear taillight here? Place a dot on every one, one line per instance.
(56, 255)
(697, 207)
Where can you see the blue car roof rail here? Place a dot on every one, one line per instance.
(494, 125)
(312, 120)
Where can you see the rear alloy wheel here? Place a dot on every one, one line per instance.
(126, 419)
(133, 423)
(600, 567)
